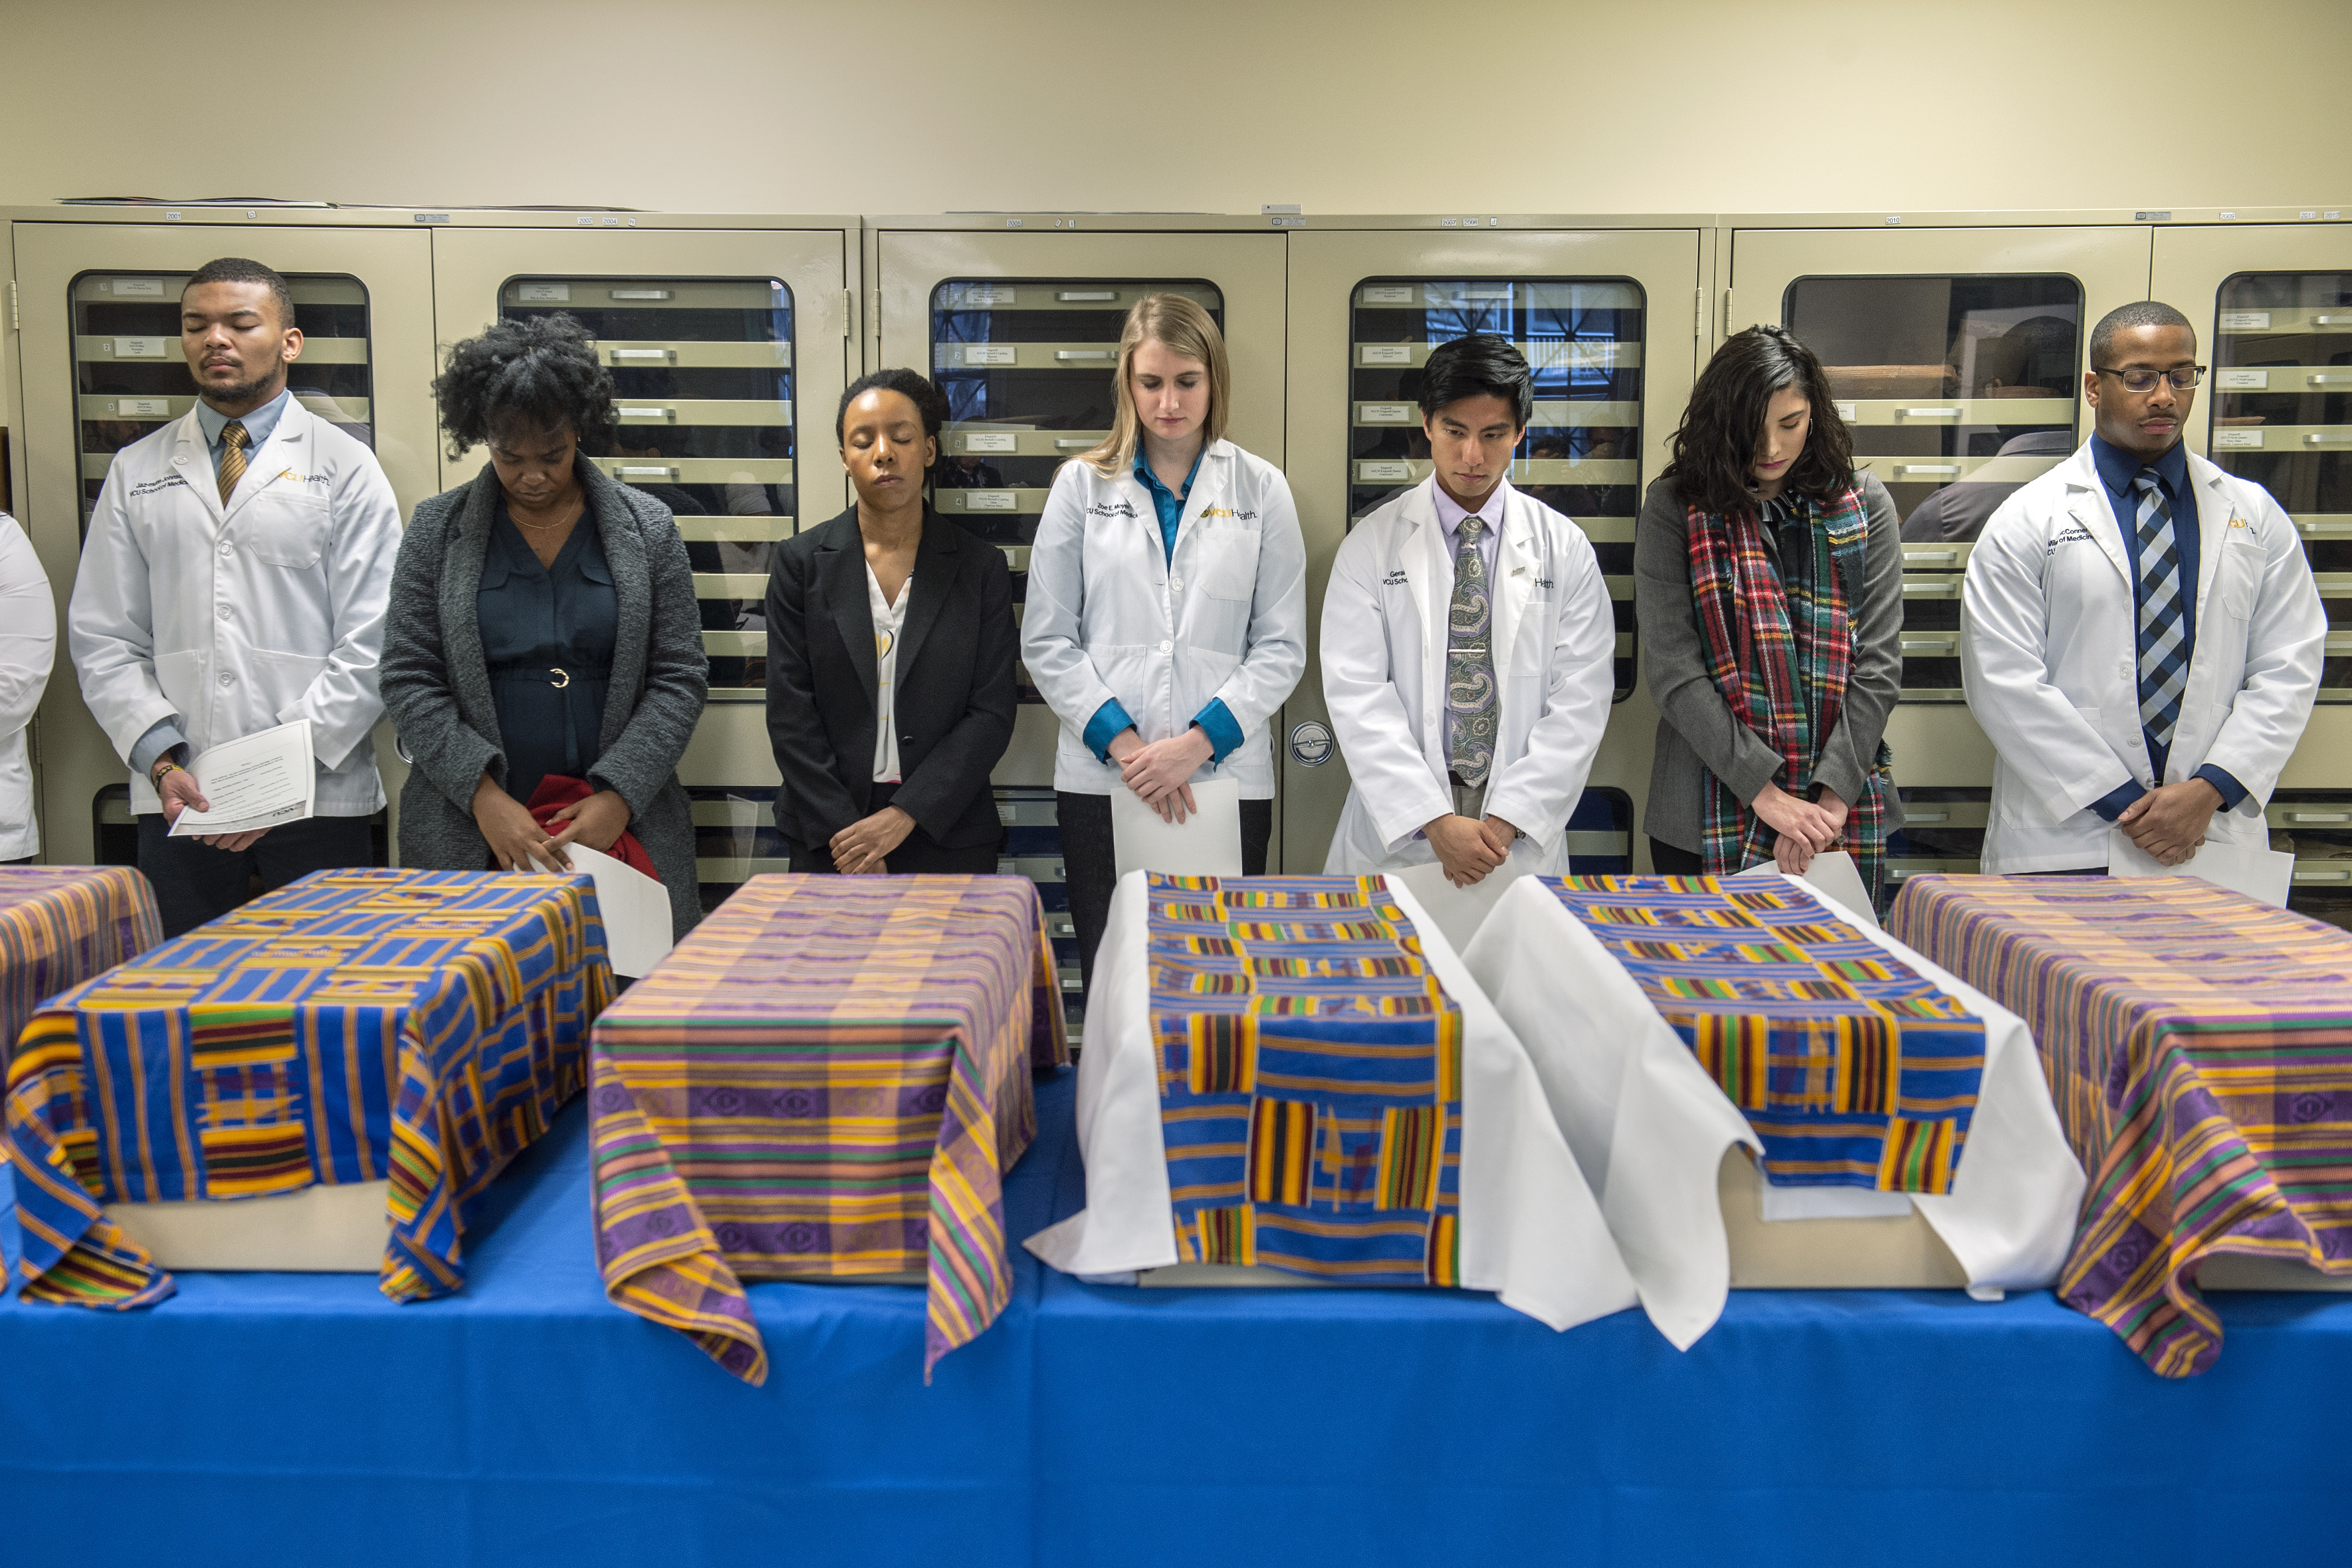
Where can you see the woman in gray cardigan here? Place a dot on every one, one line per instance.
(543, 637)
(1768, 588)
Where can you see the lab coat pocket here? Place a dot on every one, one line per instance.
(279, 680)
(1231, 558)
(2236, 580)
(285, 530)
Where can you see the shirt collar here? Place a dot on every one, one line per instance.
(2118, 469)
(1450, 512)
(258, 425)
(1152, 480)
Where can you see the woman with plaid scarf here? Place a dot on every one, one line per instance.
(1769, 592)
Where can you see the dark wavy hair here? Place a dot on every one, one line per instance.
(529, 372)
(915, 388)
(1714, 450)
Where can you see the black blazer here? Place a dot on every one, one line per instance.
(955, 682)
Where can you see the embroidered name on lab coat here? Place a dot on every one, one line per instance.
(1394, 579)
(2075, 535)
(140, 492)
(1111, 509)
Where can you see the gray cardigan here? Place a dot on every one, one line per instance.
(436, 686)
(1697, 734)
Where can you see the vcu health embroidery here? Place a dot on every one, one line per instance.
(418, 1027)
(1854, 1071)
(1311, 1079)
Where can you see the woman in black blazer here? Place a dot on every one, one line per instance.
(891, 647)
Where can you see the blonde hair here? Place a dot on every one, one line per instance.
(1185, 328)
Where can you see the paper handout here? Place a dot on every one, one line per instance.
(1207, 843)
(253, 781)
(635, 910)
(2263, 875)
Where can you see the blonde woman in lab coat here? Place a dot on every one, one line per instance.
(1469, 647)
(1166, 616)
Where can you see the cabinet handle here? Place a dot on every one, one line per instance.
(1927, 468)
(624, 470)
(1911, 816)
(2327, 437)
(646, 412)
(1932, 413)
(664, 355)
(1079, 294)
(1929, 557)
(2315, 817)
(1073, 443)
(1082, 353)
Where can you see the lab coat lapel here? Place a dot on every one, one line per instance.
(841, 569)
(2086, 503)
(1423, 553)
(2215, 515)
(1515, 564)
(935, 572)
(194, 459)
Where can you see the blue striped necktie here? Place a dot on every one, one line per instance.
(2163, 629)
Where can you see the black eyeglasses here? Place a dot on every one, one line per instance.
(2184, 378)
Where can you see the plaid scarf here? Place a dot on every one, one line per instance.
(1779, 648)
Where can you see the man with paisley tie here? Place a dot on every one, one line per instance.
(2140, 635)
(1467, 645)
(234, 579)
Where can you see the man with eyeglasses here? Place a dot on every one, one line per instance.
(2139, 632)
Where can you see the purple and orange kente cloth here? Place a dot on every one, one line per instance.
(2199, 1046)
(828, 1079)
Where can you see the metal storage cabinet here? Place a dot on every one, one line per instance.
(729, 341)
(2272, 302)
(1607, 317)
(99, 366)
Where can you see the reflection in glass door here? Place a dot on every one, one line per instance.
(1582, 455)
(130, 377)
(1958, 389)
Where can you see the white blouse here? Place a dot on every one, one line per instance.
(888, 620)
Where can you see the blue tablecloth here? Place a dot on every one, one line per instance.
(526, 1421)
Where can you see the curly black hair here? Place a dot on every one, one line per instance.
(533, 372)
(911, 384)
(1714, 450)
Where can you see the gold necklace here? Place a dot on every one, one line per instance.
(544, 527)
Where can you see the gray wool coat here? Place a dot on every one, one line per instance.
(436, 684)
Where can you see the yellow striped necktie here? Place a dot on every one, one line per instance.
(231, 463)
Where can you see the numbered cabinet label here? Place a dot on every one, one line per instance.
(2236, 440)
(138, 348)
(2245, 321)
(1389, 294)
(990, 500)
(992, 441)
(135, 287)
(987, 354)
(2242, 380)
(1384, 353)
(1849, 411)
(143, 408)
(1387, 412)
(983, 295)
(542, 293)
(1381, 469)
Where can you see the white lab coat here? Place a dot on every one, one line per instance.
(2050, 663)
(28, 644)
(231, 620)
(1107, 615)
(1384, 641)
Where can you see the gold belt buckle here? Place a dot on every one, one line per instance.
(563, 678)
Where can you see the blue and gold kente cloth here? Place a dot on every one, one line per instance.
(1854, 1071)
(1310, 1079)
(418, 1028)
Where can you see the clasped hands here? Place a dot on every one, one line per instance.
(2168, 822)
(519, 843)
(1802, 829)
(1469, 848)
(1160, 771)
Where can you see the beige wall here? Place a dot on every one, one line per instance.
(911, 106)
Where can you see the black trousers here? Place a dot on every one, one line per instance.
(1090, 861)
(1667, 860)
(195, 882)
(920, 856)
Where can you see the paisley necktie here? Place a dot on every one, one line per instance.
(1470, 701)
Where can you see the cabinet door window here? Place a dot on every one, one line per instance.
(1959, 390)
(130, 377)
(1582, 455)
(702, 377)
(2281, 391)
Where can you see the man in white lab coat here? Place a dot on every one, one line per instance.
(2139, 632)
(1469, 647)
(234, 580)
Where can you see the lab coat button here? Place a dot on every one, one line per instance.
(222, 611)
(181, 461)
(1166, 646)
(227, 548)
(1175, 585)
(228, 679)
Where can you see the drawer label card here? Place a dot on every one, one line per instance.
(1389, 294)
(992, 441)
(1848, 411)
(1385, 353)
(1383, 470)
(143, 408)
(2240, 440)
(2242, 380)
(1388, 413)
(138, 348)
(990, 500)
(2245, 321)
(986, 294)
(987, 353)
(138, 288)
(542, 293)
